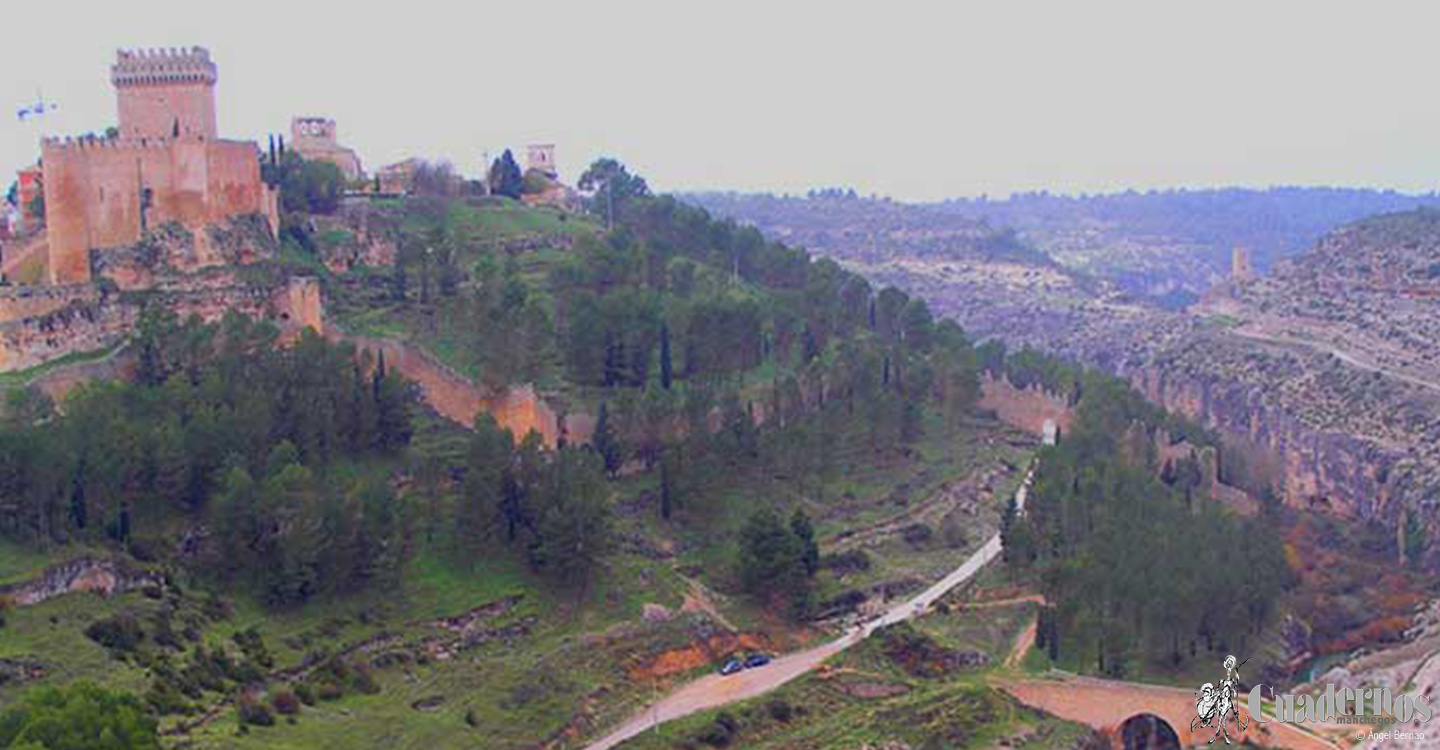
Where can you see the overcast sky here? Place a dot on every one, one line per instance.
(913, 100)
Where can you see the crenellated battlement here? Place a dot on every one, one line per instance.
(158, 67)
(92, 142)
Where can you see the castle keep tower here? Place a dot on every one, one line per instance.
(166, 166)
(165, 93)
(541, 158)
(1240, 264)
(314, 139)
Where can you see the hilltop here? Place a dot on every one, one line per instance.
(339, 530)
(1165, 248)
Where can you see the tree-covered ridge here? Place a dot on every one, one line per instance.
(708, 351)
(211, 405)
(1138, 565)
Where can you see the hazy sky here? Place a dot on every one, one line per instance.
(912, 100)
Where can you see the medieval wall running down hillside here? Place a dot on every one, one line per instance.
(457, 398)
(1315, 469)
(1026, 408)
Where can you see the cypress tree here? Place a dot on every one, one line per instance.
(605, 441)
(667, 371)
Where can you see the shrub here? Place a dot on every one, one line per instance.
(120, 633)
(918, 534)
(721, 731)
(846, 562)
(305, 693)
(285, 703)
(364, 681)
(252, 711)
(253, 646)
(165, 698)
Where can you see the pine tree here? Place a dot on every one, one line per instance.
(487, 465)
(605, 441)
(803, 530)
(170, 465)
(667, 371)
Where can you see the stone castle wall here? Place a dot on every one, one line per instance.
(459, 399)
(18, 302)
(1025, 408)
(94, 190)
(1329, 471)
(90, 323)
(79, 327)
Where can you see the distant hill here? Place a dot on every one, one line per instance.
(869, 230)
(1163, 242)
(1163, 247)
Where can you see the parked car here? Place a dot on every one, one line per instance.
(756, 660)
(732, 666)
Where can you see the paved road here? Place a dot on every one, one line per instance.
(716, 690)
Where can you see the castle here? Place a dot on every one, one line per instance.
(314, 139)
(161, 203)
(166, 164)
(1240, 268)
(540, 157)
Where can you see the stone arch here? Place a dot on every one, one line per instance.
(1148, 732)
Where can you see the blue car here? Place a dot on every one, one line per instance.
(731, 667)
(756, 660)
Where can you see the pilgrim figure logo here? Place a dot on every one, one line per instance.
(1216, 705)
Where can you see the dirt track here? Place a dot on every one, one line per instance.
(716, 690)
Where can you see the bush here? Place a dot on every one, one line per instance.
(120, 633)
(305, 693)
(721, 731)
(165, 698)
(254, 712)
(285, 702)
(364, 681)
(846, 562)
(253, 647)
(918, 534)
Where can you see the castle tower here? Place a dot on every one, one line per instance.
(165, 93)
(1240, 264)
(541, 158)
(166, 165)
(314, 139)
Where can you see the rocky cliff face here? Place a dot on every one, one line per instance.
(100, 576)
(1322, 378)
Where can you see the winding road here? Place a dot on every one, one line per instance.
(716, 690)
